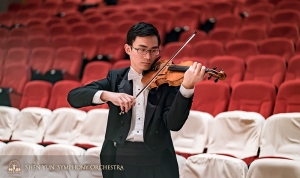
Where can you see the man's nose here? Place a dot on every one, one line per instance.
(148, 55)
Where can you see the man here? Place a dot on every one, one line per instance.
(139, 140)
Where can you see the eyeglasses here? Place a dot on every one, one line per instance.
(143, 51)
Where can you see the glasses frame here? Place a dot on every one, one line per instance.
(147, 51)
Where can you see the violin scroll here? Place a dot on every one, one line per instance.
(217, 75)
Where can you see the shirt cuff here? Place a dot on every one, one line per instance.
(187, 93)
(96, 98)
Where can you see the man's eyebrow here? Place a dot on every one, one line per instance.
(147, 46)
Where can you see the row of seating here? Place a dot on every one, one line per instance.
(112, 48)
(250, 131)
(98, 29)
(44, 60)
(22, 159)
(25, 93)
(71, 161)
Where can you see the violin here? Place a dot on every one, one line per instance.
(173, 74)
(164, 72)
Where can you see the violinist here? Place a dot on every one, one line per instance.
(138, 130)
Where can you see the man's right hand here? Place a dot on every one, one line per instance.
(123, 100)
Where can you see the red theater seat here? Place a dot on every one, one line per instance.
(60, 92)
(36, 94)
(286, 16)
(234, 68)
(89, 44)
(41, 59)
(259, 19)
(211, 102)
(18, 56)
(254, 96)
(288, 97)
(222, 35)
(293, 72)
(283, 30)
(241, 48)
(267, 68)
(208, 49)
(253, 33)
(277, 46)
(94, 71)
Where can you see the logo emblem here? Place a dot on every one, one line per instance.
(14, 167)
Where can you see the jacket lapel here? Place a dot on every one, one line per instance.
(125, 86)
(154, 97)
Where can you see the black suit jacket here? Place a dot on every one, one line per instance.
(166, 110)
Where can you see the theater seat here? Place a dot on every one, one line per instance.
(287, 99)
(93, 129)
(121, 64)
(92, 73)
(211, 102)
(64, 126)
(271, 167)
(65, 158)
(234, 68)
(91, 157)
(66, 65)
(241, 48)
(278, 45)
(211, 165)
(36, 94)
(12, 85)
(208, 49)
(192, 137)
(31, 125)
(236, 134)
(60, 92)
(285, 126)
(9, 117)
(292, 71)
(254, 96)
(260, 67)
(16, 154)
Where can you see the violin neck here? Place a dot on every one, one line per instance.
(178, 68)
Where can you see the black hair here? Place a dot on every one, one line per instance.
(142, 29)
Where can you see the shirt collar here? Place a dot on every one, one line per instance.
(132, 74)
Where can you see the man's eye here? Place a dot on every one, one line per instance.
(143, 50)
(154, 50)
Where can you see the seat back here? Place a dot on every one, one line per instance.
(211, 165)
(269, 168)
(235, 133)
(192, 137)
(64, 126)
(212, 103)
(285, 126)
(31, 125)
(36, 94)
(261, 66)
(288, 97)
(255, 96)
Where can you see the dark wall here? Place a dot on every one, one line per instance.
(4, 4)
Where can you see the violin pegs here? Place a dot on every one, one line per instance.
(209, 77)
(216, 80)
(215, 68)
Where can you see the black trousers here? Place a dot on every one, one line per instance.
(140, 162)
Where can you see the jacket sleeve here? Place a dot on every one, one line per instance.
(177, 109)
(83, 96)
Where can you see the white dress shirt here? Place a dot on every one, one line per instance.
(135, 133)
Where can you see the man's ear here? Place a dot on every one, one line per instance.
(127, 49)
